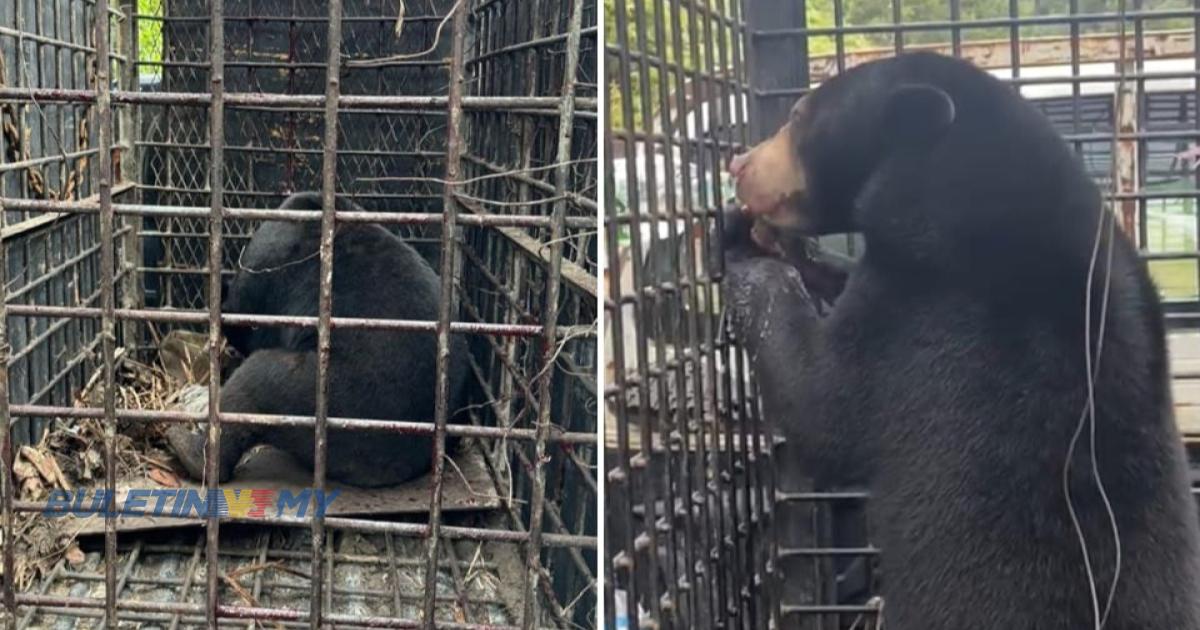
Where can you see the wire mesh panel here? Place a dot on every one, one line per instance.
(49, 153)
(161, 136)
(1117, 79)
(689, 477)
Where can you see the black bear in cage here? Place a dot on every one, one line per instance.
(951, 376)
(374, 374)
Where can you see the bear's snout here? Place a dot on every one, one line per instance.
(770, 179)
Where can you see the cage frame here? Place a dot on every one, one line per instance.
(781, 64)
(457, 211)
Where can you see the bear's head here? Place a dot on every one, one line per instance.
(811, 173)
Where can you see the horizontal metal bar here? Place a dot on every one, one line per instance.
(1193, 255)
(292, 554)
(1034, 81)
(319, 19)
(270, 194)
(43, 40)
(58, 270)
(407, 530)
(827, 552)
(292, 150)
(524, 178)
(36, 223)
(961, 25)
(283, 65)
(284, 100)
(830, 609)
(806, 497)
(289, 321)
(267, 214)
(243, 612)
(38, 161)
(533, 43)
(365, 593)
(267, 420)
(183, 272)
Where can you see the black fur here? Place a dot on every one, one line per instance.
(950, 375)
(373, 374)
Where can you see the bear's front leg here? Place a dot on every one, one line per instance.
(775, 319)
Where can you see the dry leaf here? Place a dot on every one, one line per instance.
(164, 478)
(23, 469)
(46, 466)
(92, 461)
(75, 555)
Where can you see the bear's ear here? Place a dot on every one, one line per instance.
(917, 114)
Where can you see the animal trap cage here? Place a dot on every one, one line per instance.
(144, 141)
(710, 521)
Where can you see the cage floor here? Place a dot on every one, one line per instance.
(367, 575)
(468, 486)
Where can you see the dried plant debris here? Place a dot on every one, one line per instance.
(71, 453)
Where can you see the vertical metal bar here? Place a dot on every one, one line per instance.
(21, 426)
(562, 173)
(325, 303)
(1134, 215)
(394, 573)
(706, 403)
(517, 264)
(264, 545)
(956, 28)
(667, 297)
(216, 182)
(103, 111)
(727, 488)
(691, 355)
(839, 37)
(6, 444)
(1194, 112)
(752, 523)
(726, 571)
(1014, 38)
(131, 133)
(189, 576)
(1073, 26)
(441, 412)
(648, 304)
(620, 477)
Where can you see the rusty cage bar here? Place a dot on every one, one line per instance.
(144, 140)
(704, 529)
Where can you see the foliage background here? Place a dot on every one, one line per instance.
(820, 14)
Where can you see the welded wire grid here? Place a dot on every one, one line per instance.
(689, 473)
(408, 117)
(680, 554)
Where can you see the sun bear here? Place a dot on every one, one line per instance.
(950, 375)
(375, 374)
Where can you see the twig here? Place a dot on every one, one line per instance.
(437, 40)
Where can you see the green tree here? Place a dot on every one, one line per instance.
(820, 14)
(693, 27)
(150, 44)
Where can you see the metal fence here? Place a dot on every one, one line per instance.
(142, 143)
(710, 522)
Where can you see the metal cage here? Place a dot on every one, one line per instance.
(144, 140)
(709, 523)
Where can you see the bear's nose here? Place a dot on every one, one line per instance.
(738, 164)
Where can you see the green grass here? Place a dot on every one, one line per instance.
(1171, 227)
(1176, 279)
